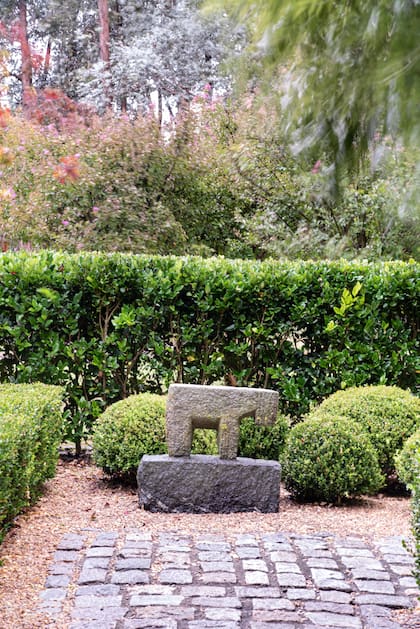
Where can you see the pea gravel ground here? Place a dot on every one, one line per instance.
(81, 500)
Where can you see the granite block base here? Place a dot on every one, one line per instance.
(208, 484)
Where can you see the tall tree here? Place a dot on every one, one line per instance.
(103, 12)
(345, 70)
(14, 31)
(25, 50)
(165, 47)
(118, 51)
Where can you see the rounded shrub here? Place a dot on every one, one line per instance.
(388, 414)
(133, 427)
(407, 461)
(408, 467)
(263, 442)
(127, 430)
(329, 460)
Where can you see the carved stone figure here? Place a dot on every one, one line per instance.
(222, 408)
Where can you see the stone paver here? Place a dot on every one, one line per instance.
(136, 579)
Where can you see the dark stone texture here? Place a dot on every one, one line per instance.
(207, 484)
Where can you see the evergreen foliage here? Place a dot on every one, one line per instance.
(31, 428)
(389, 415)
(109, 325)
(330, 460)
(407, 461)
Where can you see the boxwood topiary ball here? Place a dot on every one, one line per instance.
(389, 415)
(133, 427)
(330, 460)
(407, 461)
(127, 430)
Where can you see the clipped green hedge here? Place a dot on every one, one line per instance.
(330, 460)
(408, 467)
(31, 427)
(389, 415)
(106, 326)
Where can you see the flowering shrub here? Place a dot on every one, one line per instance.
(86, 182)
(219, 180)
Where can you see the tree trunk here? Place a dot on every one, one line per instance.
(119, 35)
(104, 44)
(47, 61)
(160, 108)
(25, 55)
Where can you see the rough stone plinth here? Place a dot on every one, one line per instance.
(191, 406)
(207, 484)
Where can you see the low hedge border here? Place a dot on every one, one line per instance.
(31, 426)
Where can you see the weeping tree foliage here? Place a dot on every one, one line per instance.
(345, 71)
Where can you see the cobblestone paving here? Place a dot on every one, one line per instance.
(252, 581)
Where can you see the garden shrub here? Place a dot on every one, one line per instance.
(408, 468)
(329, 460)
(388, 414)
(263, 442)
(133, 427)
(127, 430)
(106, 326)
(407, 460)
(31, 427)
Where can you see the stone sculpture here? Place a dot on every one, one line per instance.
(222, 408)
(180, 483)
